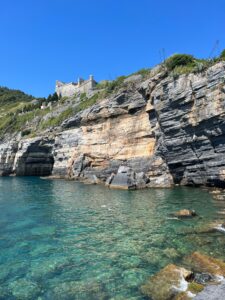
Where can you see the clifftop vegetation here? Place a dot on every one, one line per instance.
(23, 113)
(179, 64)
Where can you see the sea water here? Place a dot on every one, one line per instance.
(66, 240)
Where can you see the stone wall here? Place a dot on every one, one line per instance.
(70, 89)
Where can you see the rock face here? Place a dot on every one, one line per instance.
(31, 157)
(165, 130)
(188, 116)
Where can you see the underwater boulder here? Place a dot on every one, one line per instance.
(185, 213)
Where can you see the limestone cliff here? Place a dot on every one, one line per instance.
(154, 131)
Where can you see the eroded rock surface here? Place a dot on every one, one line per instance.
(170, 130)
(32, 157)
(205, 264)
(168, 284)
(201, 279)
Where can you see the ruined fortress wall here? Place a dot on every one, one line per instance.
(66, 90)
(86, 86)
(69, 89)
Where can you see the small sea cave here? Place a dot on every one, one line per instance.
(38, 160)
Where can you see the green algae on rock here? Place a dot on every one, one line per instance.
(202, 263)
(166, 284)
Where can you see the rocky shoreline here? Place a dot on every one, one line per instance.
(198, 276)
(203, 277)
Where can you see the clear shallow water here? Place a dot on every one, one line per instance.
(65, 240)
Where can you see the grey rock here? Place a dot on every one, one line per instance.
(109, 180)
(133, 78)
(203, 278)
(123, 169)
(212, 292)
(122, 181)
(91, 179)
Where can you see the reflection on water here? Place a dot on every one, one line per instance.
(65, 240)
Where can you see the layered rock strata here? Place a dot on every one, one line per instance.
(162, 131)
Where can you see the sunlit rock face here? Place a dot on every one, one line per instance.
(114, 132)
(103, 146)
(170, 129)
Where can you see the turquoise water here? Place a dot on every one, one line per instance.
(65, 240)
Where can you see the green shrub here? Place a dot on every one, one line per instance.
(178, 60)
(83, 96)
(63, 99)
(102, 85)
(52, 97)
(115, 84)
(222, 55)
(69, 112)
(13, 122)
(13, 96)
(56, 121)
(144, 72)
(88, 102)
(26, 132)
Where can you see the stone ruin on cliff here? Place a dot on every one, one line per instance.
(69, 89)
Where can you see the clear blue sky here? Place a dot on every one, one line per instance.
(45, 40)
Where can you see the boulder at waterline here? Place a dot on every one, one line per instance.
(124, 179)
(202, 263)
(185, 213)
(167, 284)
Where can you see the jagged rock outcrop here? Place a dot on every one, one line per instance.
(188, 117)
(164, 130)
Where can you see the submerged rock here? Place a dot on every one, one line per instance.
(216, 192)
(133, 277)
(185, 213)
(24, 289)
(219, 227)
(80, 290)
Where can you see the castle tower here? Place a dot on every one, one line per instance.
(80, 81)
